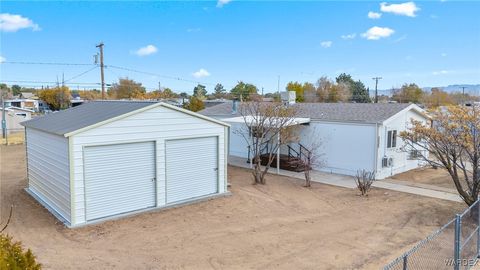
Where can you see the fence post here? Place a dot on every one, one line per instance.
(405, 262)
(456, 254)
(478, 228)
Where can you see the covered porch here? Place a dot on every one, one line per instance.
(288, 157)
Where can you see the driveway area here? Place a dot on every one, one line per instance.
(280, 225)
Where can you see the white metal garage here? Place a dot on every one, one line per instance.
(109, 158)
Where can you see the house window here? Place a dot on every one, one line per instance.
(392, 139)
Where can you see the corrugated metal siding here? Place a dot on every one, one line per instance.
(192, 168)
(157, 124)
(119, 178)
(48, 170)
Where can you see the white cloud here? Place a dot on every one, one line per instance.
(376, 33)
(406, 9)
(13, 23)
(440, 72)
(374, 15)
(2, 59)
(326, 44)
(221, 3)
(201, 73)
(443, 54)
(191, 30)
(349, 36)
(147, 50)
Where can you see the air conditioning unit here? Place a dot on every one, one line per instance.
(390, 162)
(384, 162)
(387, 162)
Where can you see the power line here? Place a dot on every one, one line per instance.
(46, 82)
(45, 63)
(159, 75)
(81, 74)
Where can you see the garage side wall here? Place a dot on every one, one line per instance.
(48, 170)
(158, 125)
(344, 147)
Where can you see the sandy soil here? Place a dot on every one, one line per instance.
(281, 225)
(429, 176)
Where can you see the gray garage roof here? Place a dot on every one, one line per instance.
(347, 112)
(84, 115)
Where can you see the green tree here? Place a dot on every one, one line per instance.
(194, 104)
(360, 93)
(408, 93)
(12, 255)
(219, 91)
(16, 89)
(244, 91)
(298, 89)
(200, 91)
(126, 89)
(345, 78)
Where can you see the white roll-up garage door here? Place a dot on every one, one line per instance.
(119, 178)
(192, 168)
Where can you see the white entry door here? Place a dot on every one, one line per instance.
(119, 178)
(192, 168)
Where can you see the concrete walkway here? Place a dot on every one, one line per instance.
(346, 181)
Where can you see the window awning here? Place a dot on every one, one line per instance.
(251, 121)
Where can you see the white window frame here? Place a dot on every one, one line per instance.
(391, 139)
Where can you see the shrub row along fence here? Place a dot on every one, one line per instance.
(454, 246)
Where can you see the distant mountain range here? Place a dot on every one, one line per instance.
(472, 89)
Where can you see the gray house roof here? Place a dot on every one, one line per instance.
(347, 112)
(85, 115)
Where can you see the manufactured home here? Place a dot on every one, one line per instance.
(106, 159)
(351, 136)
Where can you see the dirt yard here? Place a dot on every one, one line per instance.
(427, 176)
(277, 226)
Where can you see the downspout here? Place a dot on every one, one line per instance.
(278, 151)
(376, 149)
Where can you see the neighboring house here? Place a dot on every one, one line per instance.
(352, 136)
(30, 104)
(14, 116)
(104, 159)
(27, 95)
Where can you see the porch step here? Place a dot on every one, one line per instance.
(286, 163)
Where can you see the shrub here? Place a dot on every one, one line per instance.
(364, 180)
(12, 255)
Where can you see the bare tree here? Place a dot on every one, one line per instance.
(364, 180)
(452, 142)
(267, 126)
(310, 157)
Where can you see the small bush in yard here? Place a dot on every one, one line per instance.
(12, 255)
(364, 180)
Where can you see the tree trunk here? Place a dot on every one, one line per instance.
(307, 179)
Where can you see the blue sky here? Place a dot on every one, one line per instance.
(431, 43)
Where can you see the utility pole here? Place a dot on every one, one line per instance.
(376, 87)
(278, 88)
(463, 95)
(4, 122)
(102, 76)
